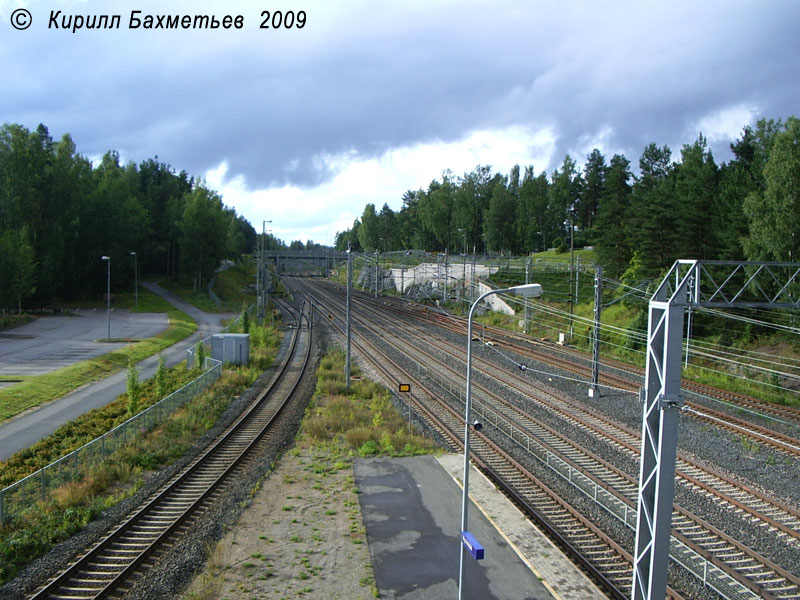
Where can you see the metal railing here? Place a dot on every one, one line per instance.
(39, 485)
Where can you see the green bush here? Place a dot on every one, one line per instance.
(368, 448)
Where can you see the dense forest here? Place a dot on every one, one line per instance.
(59, 213)
(746, 209)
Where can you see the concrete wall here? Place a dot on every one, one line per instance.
(437, 273)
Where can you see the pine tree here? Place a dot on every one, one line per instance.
(612, 233)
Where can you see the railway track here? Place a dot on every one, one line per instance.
(622, 376)
(111, 567)
(592, 549)
(629, 377)
(776, 516)
(751, 571)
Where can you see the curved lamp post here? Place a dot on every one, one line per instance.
(135, 278)
(528, 290)
(108, 294)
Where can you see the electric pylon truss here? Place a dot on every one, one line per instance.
(716, 283)
(688, 283)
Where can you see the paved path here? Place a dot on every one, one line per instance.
(412, 513)
(27, 429)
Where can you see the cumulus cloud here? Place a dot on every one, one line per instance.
(316, 212)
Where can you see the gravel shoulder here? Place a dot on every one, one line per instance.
(301, 536)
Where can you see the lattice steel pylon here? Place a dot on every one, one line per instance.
(688, 283)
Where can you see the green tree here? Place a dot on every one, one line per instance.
(349, 237)
(113, 222)
(387, 226)
(203, 235)
(17, 269)
(241, 235)
(162, 194)
(653, 213)
(409, 228)
(737, 179)
(499, 222)
(533, 215)
(369, 232)
(472, 196)
(72, 213)
(594, 176)
(565, 194)
(613, 237)
(697, 199)
(200, 355)
(436, 210)
(774, 215)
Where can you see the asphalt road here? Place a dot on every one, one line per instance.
(26, 429)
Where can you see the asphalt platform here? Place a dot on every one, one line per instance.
(412, 513)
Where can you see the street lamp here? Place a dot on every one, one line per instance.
(528, 290)
(261, 293)
(108, 294)
(349, 283)
(135, 278)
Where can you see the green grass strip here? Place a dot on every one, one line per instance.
(69, 508)
(36, 390)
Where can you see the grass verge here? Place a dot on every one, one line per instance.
(361, 422)
(121, 474)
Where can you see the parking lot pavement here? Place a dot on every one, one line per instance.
(53, 342)
(26, 429)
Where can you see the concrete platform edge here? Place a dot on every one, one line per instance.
(547, 562)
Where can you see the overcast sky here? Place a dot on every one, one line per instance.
(371, 98)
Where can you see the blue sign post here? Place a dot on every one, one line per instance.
(472, 545)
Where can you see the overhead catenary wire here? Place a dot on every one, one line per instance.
(728, 359)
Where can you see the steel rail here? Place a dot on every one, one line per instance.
(782, 575)
(775, 514)
(112, 562)
(573, 535)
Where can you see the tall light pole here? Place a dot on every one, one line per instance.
(571, 271)
(349, 283)
(262, 292)
(527, 275)
(135, 279)
(528, 290)
(108, 294)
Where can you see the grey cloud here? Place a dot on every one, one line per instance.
(367, 79)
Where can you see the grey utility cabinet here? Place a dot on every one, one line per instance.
(231, 348)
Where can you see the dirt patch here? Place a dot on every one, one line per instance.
(301, 537)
